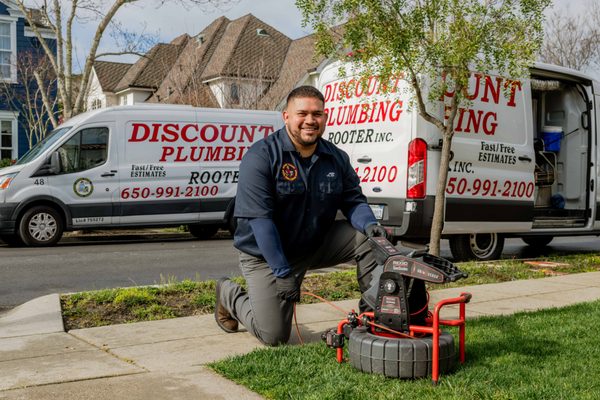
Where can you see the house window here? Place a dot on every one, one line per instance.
(8, 137)
(234, 94)
(7, 50)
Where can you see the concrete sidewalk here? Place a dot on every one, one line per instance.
(166, 359)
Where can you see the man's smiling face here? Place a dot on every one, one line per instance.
(305, 120)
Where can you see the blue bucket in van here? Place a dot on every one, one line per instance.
(552, 135)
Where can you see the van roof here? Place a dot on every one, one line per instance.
(556, 71)
(149, 107)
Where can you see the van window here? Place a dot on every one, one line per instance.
(44, 144)
(87, 149)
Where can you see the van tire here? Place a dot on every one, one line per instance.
(537, 242)
(476, 246)
(40, 226)
(399, 357)
(203, 232)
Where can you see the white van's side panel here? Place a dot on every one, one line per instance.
(490, 177)
(90, 193)
(184, 166)
(152, 184)
(373, 128)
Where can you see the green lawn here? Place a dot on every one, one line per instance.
(550, 354)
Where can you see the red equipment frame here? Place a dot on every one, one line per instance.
(433, 328)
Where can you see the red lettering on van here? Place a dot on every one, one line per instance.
(184, 133)
(142, 130)
(491, 90)
(190, 133)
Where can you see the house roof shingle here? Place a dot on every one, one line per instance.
(110, 73)
(245, 48)
(299, 60)
(149, 71)
(187, 69)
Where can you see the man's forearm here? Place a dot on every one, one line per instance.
(269, 243)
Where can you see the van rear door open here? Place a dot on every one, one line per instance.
(491, 185)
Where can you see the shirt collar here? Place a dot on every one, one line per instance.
(287, 144)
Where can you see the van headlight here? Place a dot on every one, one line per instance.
(5, 180)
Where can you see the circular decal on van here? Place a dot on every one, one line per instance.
(289, 172)
(83, 187)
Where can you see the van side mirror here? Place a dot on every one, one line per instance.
(50, 167)
(54, 163)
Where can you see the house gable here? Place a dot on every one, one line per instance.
(243, 58)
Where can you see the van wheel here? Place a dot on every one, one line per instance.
(203, 231)
(399, 357)
(537, 241)
(40, 226)
(476, 246)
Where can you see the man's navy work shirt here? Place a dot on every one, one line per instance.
(301, 197)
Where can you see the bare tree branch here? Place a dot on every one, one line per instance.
(62, 24)
(573, 41)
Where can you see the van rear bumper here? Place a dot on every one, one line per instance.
(409, 225)
(7, 224)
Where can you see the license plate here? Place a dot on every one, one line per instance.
(377, 210)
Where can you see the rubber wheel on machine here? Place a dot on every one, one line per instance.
(203, 231)
(399, 357)
(537, 242)
(40, 226)
(476, 246)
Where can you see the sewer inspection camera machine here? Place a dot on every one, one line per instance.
(394, 340)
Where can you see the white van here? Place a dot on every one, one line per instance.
(130, 166)
(524, 160)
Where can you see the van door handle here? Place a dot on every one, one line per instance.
(111, 173)
(364, 159)
(525, 158)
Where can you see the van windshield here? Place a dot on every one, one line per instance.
(43, 144)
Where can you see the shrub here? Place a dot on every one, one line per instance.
(5, 162)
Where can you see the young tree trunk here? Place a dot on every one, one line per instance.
(437, 223)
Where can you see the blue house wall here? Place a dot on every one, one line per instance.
(23, 44)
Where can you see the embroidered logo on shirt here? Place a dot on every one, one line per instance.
(289, 172)
(331, 175)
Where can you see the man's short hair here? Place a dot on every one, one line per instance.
(305, 91)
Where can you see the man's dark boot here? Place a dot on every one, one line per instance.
(222, 316)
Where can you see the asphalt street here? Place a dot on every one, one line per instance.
(131, 260)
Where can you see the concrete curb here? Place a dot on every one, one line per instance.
(39, 316)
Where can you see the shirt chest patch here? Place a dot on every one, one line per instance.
(289, 172)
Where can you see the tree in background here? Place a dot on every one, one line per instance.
(434, 44)
(61, 17)
(34, 98)
(573, 41)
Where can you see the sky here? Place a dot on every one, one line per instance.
(170, 20)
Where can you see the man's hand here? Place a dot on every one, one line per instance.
(288, 288)
(376, 230)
